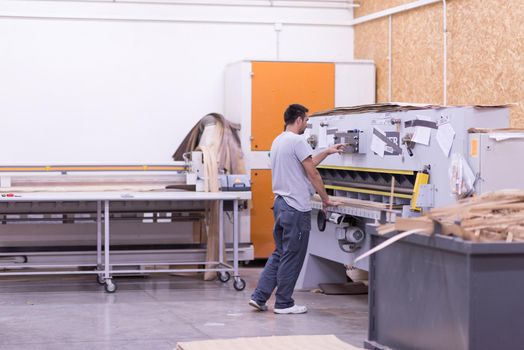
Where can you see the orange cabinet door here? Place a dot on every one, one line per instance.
(261, 213)
(276, 85)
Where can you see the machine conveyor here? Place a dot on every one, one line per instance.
(356, 181)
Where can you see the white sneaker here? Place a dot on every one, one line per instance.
(257, 305)
(295, 309)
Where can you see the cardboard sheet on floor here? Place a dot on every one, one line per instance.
(294, 342)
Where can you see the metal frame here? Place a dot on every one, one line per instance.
(104, 268)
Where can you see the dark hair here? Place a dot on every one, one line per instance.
(293, 112)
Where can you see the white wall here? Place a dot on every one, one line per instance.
(97, 82)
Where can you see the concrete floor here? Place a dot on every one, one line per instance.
(157, 312)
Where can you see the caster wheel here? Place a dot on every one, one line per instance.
(100, 280)
(110, 287)
(239, 284)
(223, 276)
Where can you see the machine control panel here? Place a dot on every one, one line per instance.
(354, 140)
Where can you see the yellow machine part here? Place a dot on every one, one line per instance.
(371, 170)
(366, 191)
(421, 179)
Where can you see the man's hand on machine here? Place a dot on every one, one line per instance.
(338, 148)
(327, 202)
(318, 158)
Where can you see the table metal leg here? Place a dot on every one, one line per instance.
(110, 286)
(98, 235)
(221, 232)
(100, 277)
(235, 238)
(239, 283)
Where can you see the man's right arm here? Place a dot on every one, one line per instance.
(338, 148)
(316, 180)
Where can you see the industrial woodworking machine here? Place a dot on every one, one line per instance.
(401, 160)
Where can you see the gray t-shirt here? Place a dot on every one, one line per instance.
(288, 175)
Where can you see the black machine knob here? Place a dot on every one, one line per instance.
(321, 221)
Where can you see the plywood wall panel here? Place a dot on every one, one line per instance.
(417, 56)
(370, 6)
(371, 42)
(485, 52)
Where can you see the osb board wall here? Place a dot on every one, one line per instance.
(370, 6)
(377, 32)
(485, 52)
(417, 56)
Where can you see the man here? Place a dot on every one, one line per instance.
(294, 175)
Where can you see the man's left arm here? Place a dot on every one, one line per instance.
(338, 148)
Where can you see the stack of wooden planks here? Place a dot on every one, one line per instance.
(491, 217)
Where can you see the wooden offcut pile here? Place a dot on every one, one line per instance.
(492, 217)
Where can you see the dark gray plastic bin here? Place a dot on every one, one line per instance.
(445, 293)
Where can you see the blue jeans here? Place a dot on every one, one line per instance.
(291, 235)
